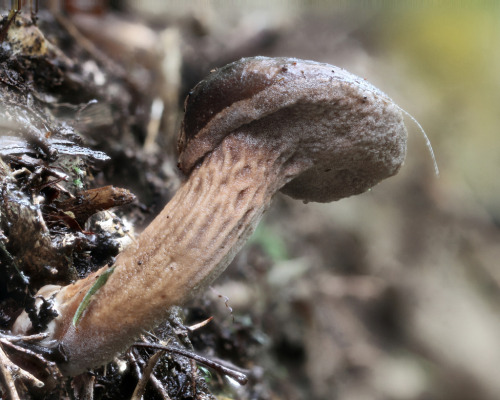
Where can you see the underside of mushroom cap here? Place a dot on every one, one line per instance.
(347, 134)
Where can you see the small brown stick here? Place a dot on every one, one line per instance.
(237, 376)
(160, 388)
(138, 362)
(147, 373)
(7, 376)
(194, 375)
(50, 365)
(30, 338)
(133, 358)
(199, 325)
(89, 202)
(8, 367)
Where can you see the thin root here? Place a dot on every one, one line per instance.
(11, 372)
(51, 366)
(426, 138)
(147, 374)
(229, 371)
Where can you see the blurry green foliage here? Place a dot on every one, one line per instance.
(270, 242)
(452, 55)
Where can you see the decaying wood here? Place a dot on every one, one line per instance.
(88, 202)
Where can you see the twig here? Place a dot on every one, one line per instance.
(194, 375)
(160, 388)
(11, 372)
(135, 362)
(31, 338)
(237, 376)
(50, 365)
(199, 325)
(10, 369)
(147, 373)
(138, 363)
(89, 202)
(7, 376)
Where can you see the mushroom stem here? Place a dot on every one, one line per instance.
(179, 254)
(250, 129)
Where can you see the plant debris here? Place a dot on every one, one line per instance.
(61, 116)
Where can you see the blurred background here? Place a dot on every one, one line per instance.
(390, 295)
(393, 294)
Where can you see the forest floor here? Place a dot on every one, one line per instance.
(390, 295)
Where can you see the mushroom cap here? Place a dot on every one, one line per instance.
(347, 134)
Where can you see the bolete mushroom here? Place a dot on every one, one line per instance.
(251, 128)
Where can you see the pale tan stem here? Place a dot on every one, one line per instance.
(180, 253)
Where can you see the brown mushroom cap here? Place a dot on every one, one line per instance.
(348, 134)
